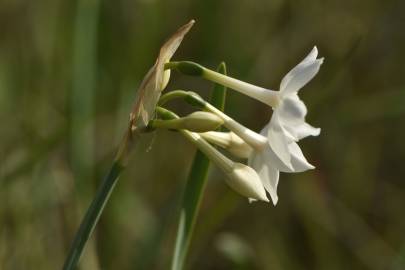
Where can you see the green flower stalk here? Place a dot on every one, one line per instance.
(145, 103)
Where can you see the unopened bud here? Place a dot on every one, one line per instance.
(201, 122)
(241, 178)
(196, 122)
(230, 142)
(244, 180)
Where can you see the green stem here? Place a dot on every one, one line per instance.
(190, 97)
(172, 95)
(219, 93)
(97, 205)
(92, 215)
(190, 206)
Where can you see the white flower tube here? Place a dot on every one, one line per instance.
(254, 139)
(261, 94)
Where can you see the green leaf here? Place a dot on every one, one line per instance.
(195, 188)
(219, 93)
(100, 200)
(92, 216)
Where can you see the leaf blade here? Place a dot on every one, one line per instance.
(195, 187)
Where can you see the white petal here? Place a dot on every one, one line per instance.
(301, 74)
(299, 162)
(256, 160)
(269, 175)
(306, 130)
(292, 110)
(267, 156)
(278, 140)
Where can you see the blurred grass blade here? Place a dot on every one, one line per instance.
(194, 189)
(84, 69)
(82, 109)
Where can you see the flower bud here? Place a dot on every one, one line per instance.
(201, 121)
(230, 142)
(244, 180)
(196, 122)
(240, 177)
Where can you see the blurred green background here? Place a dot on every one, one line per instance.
(69, 71)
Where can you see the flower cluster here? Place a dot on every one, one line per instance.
(275, 149)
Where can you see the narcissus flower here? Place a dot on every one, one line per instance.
(279, 150)
(155, 80)
(275, 149)
(268, 165)
(287, 123)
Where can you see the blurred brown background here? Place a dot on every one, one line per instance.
(68, 75)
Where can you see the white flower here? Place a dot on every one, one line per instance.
(268, 165)
(286, 127)
(156, 80)
(287, 124)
